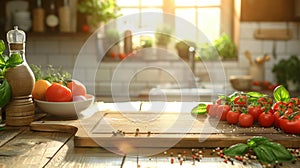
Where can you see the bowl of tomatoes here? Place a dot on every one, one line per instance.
(66, 109)
(61, 100)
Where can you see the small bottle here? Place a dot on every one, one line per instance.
(52, 20)
(39, 18)
(20, 110)
(64, 13)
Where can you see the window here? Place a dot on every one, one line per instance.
(206, 15)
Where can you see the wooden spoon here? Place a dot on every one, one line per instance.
(249, 57)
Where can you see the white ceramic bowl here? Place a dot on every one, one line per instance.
(65, 109)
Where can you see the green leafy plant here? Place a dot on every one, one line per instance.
(285, 70)
(163, 35)
(267, 152)
(222, 47)
(112, 36)
(99, 11)
(51, 74)
(5, 63)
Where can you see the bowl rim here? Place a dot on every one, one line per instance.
(88, 96)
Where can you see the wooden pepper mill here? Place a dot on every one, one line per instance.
(20, 110)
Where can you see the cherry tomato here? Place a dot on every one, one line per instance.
(255, 111)
(240, 100)
(288, 111)
(232, 117)
(246, 120)
(219, 101)
(279, 106)
(256, 83)
(277, 115)
(212, 109)
(85, 28)
(265, 101)
(290, 126)
(113, 55)
(58, 93)
(266, 119)
(222, 111)
(77, 88)
(296, 101)
(122, 56)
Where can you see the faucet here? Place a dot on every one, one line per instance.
(192, 59)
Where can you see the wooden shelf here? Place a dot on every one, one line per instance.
(57, 36)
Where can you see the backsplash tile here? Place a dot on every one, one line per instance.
(90, 69)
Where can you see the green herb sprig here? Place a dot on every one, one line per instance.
(51, 74)
(266, 151)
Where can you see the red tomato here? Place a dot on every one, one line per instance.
(113, 55)
(265, 101)
(246, 120)
(58, 93)
(288, 111)
(290, 126)
(219, 101)
(296, 101)
(85, 28)
(212, 110)
(222, 111)
(232, 117)
(266, 119)
(279, 106)
(277, 115)
(256, 83)
(255, 111)
(122, 56)
(77, 88)
(240, 100)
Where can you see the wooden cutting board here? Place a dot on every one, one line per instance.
(157, 125)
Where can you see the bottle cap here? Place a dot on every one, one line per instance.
(16, 39)
(16, 36)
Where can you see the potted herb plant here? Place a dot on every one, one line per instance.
(285, 72)
(163, 35)
(222, 47)
(98, 11)
(111, 41)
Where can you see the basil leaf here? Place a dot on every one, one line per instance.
(5, 93)
(14, 60)
(255, 94)
(199, 109)
(280, 152)
(2, 46)
(2, 62)
(236, 150)
(264, 154)
(281, 94)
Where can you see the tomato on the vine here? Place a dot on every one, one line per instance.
(266, 119)
(291, 126)
(246, 120)
(222, 111)
(279, 106)
(277, 115)
(255, 111)
(232, 117)
(212, 109)
(58, 93)
(240, 100)
(265, 101)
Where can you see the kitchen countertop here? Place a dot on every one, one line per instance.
(53, 142)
